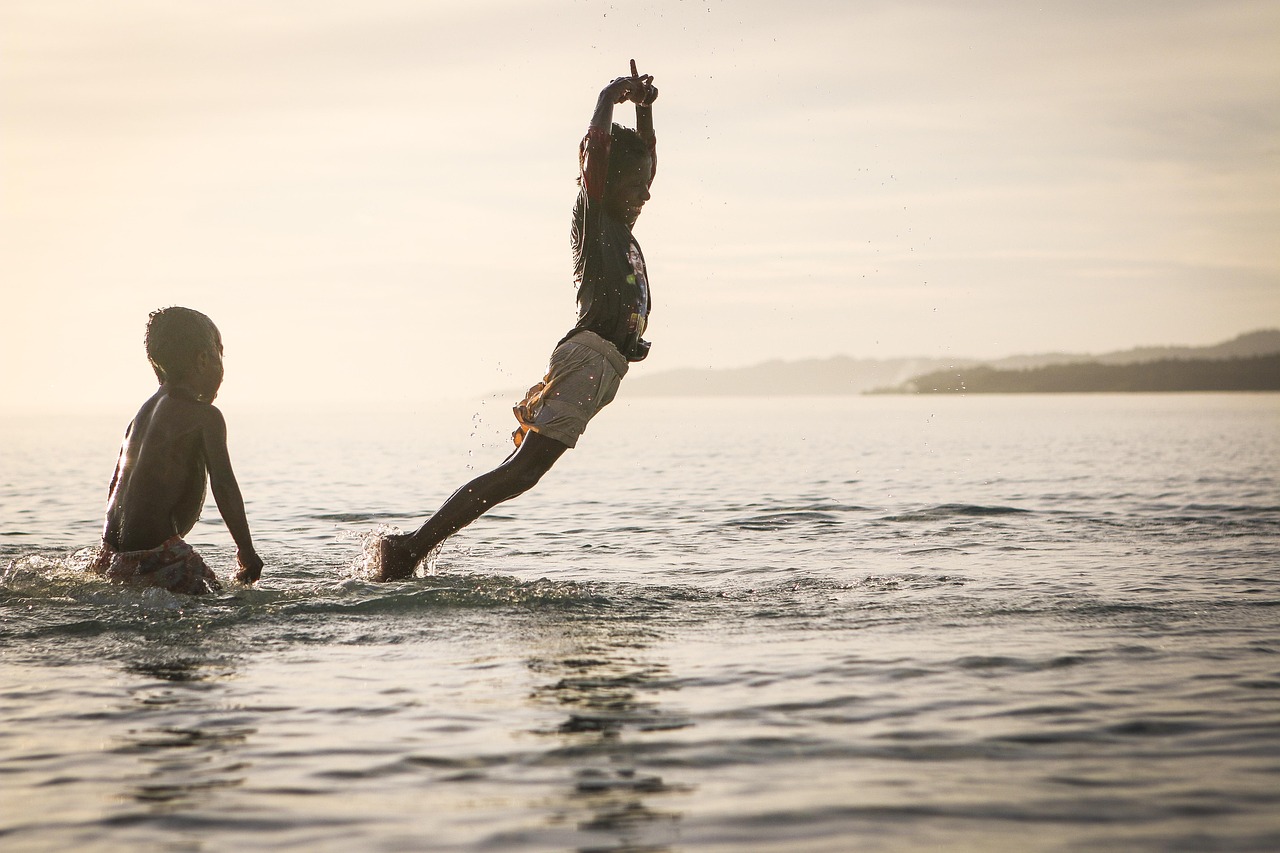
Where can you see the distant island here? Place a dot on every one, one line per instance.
(1260, 373)
(1249, 362)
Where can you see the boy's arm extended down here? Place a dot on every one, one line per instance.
(226, 492)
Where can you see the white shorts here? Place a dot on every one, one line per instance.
(582, 379)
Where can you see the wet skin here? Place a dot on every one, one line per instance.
(399, 554)
(176, 443)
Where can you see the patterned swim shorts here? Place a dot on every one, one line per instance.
(583, 378)
(174, 566)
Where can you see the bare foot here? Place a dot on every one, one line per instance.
(394, 560)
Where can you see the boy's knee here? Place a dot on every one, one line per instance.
(525, 477)
(525, 468)
(525, 472)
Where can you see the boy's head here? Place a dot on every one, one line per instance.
(181, 342)
(630, 172)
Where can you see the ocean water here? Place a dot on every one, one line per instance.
(873, 624)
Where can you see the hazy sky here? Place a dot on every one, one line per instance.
(372, 198)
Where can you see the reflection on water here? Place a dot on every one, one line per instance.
(604, 676)
(188, 754)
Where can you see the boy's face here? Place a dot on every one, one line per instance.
(207, 378)
(628, 191)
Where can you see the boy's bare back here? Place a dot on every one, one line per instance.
(159, 485)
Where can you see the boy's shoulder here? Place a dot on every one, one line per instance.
(179, 412)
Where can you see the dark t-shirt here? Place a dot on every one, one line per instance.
(608, 266)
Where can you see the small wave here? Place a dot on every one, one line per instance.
(1020, 664)
(764, 517)
(880, 583)
(1240, 509)
(354, 516)
(944, 511)
(779, 520)
(1208, 511)
(774, 518)
(448, 591)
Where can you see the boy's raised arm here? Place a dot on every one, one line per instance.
(638, 89)
(618, 91)
(644, 94)
(593, 157)
(644, 121)
(593, 153)
(226, 492)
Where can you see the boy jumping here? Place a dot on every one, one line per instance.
(616, 167)
(176, 441)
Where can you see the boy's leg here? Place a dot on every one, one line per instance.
(399, 555)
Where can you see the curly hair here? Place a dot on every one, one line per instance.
(175, 337)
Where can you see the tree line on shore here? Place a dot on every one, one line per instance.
(1257, 373)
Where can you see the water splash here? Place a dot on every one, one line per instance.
(40, 571)
(366, 564)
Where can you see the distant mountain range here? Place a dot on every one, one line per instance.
(843, 375)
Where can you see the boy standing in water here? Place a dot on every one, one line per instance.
(176, 441)
(616, 167)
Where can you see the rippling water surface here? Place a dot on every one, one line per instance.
(983, 623)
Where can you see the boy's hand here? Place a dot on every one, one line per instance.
(619, 90)
(644, 93)
(648, 94)
(250, 567)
